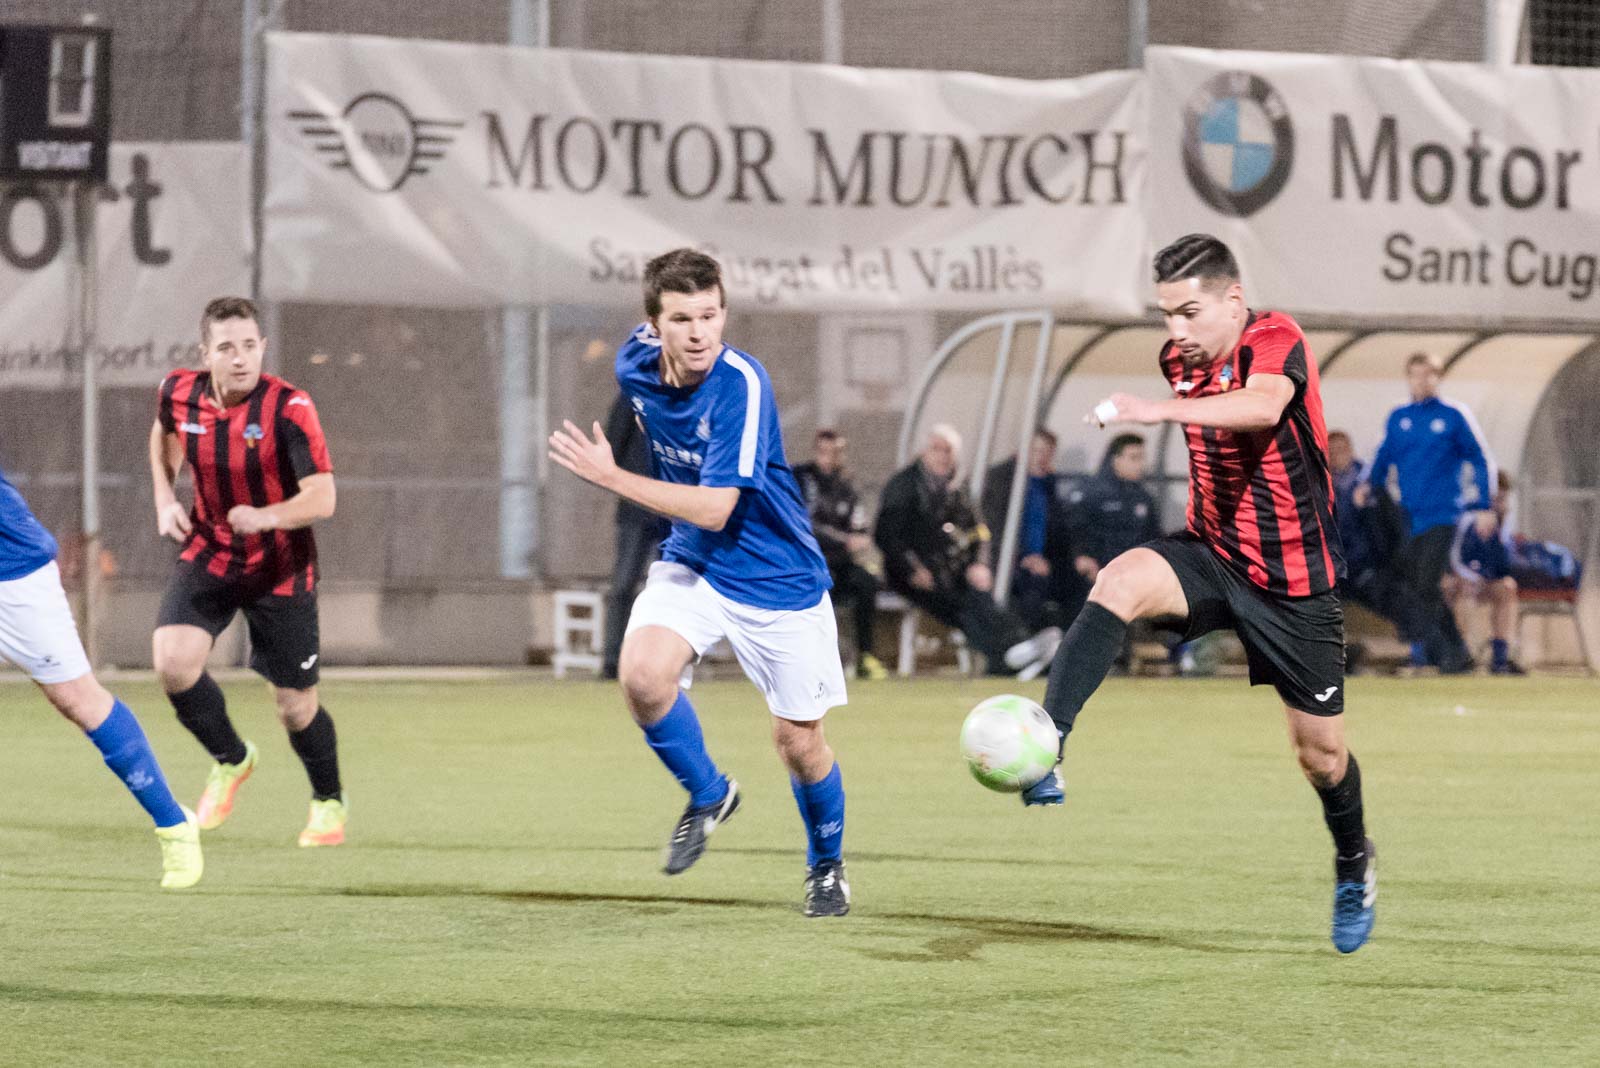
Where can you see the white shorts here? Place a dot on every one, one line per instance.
(37, 632)
(791, 656)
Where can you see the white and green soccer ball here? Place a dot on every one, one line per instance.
(1010, 743)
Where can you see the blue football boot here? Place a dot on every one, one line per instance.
(1050, 790)
(1355, 901)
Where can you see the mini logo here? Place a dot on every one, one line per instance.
(1238, 143)
(702, 429)
(298, 400)
(1325, 694)
(306, 665)
(139, 778)
(191, 428)
(1184, 387)
(377, 139)
(252, 434)
(1405, 422)
(1437, 426)
(638, 405)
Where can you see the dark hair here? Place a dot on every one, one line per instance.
(1503, 482)
(1196, 256)
(1121, 443)
(827, 434)
(683, 270)
(1339, 434)
(226, 308)
(1048, 435)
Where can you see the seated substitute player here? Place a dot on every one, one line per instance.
(740, 563)
(1480, 565)
(839, 524)
(37, 634)
(1261, 553)
(261, 478)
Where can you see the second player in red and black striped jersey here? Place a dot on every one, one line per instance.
(253, 452)
(1262, 499)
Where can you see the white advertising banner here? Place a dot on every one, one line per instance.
(413, 172)
(1383, 189)
(171, 230)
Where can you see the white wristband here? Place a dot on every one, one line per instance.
(1105, 412)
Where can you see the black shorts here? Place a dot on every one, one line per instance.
(283, 629)
(1294, 643)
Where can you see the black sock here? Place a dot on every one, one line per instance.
(1085, 656)
(204, 711)
(1341, 809)
(318, 748)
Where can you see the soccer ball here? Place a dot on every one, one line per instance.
(1010, 743)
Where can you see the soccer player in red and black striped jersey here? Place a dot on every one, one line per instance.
(261, 476)
(1261, 553)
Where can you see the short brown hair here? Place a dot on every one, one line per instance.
(1423, 358)
(226, 308)
(683, 270)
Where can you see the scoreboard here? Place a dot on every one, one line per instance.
(55, 102)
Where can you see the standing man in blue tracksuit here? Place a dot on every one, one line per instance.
(1428, 442)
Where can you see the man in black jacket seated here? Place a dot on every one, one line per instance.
(840, 527)
(936, 555)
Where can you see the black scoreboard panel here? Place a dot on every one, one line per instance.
(55, 102)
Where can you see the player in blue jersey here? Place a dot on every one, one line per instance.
(1428, 443)
(739, 564)
(37, 634)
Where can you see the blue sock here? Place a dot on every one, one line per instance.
(677, 741)
(1499, 652)
(822, 808)
(121, 741)
(1419, 654)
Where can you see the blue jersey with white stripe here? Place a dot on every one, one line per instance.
(1474, 556)
(1428, 443)
(724, 432)
(25, 546)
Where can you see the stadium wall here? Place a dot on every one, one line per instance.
(407, 557)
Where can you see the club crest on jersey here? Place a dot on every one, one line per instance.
(702, 429)
(1226, 376)
(252, 434)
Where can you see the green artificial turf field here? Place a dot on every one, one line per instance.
(499, 900)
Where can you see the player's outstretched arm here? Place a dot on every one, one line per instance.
(166, 458)
(1258, 406)
(316, 499)
(591, 460)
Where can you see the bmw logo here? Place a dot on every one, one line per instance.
(1238, 143)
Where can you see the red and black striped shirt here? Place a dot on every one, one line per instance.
(1263, 499)
(254, 453)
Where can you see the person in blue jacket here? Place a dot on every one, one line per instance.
(1429, 444)
(1481, 562)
